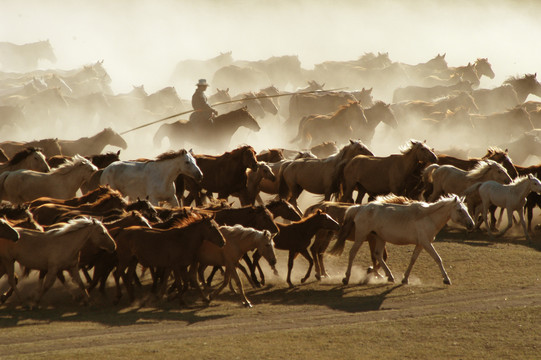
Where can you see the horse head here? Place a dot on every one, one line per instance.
(115, 139)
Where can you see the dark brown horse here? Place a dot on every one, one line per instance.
(296, 238)
(224, 174)
(173, 249)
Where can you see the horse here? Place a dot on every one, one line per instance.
(89, 197)
(224, 174)
(497, 99)
(53, 251)
(314, 129)
(318, 176)
(448, 179)
(172, 249)
(302, 105)
(326, 148)
(270, 155)
(379, 112)
(382, 175)
(296, 237)
(238, 240)
(283, 209)
(423, 93)
(502, 126)
(523, 146)
(216, 135)
(25, 57)
(30, 158)
(164, 101)
(414, 223)
(92, 145)
(152, 178)
(525, 86)
(510, 196)
(248, 195)
(63, 182)
(49, 147)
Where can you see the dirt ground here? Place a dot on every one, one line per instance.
(500, 278)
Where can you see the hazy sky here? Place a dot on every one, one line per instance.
(141, 41)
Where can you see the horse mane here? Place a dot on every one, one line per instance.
(482, 168)
(240, 231)
(70, 164)
(23, 154)
(394, 199)
(519, 179)
(102, 199)
(510, 80)
(411, 144)
(71, 226)
(171, 155)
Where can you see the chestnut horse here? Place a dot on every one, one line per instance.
(383, 175)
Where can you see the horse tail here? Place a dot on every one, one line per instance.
(160, 134)
(300, 130)
(3, 178)
(338, 179)
(283, 189)
(348, 225)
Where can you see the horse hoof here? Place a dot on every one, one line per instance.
(318, 277)
(345, 281)
(369, 270)
(447, 282)
(303, 281)
(247, 304)
(405, 281)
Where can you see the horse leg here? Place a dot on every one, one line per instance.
(193, 281)
(290, 260)
(48, 281)
(316, 252)
(233, 271)
(430, 249)
(352, 253)
(379, 251)
(12, 281)
(76, 278)
(414, 257)
(509, 222)
(252, 267)
(521, 217)
(307, 256)
(245, 272)
(212, 273)
(485, 209)
(255, 260)
(227, 279)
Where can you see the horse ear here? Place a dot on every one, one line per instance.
(318, 211)
(147, 198)
(118, 153)
(506, 151)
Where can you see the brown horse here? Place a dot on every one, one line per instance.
(525, 86)
(216, 135)
(296, 238)
(314, 129)
(379, 112)
(30, 158)
(248, 195)
(172, 249)
(383, 175)
(318, 176)
(224, 174)
(90, 197)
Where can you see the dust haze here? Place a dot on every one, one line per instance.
(141, 42)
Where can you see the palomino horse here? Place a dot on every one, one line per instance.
(382, 175)
(216, 135)
(30, 158)
(447, 179)
(318, 176)
(512, 197)
(61, 183)
(87, 146)
(49, 147)
(172, 249)
(152, 178)
(54, 250)
(224, 174)
(314, 129)
(238, 240)
(415, 223)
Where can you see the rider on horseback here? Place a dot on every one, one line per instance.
(203, 113)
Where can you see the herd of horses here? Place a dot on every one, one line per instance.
(67, 206)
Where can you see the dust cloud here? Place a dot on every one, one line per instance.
(141, 42)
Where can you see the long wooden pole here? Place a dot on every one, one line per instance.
(229, 102)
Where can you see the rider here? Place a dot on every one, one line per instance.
(203, 113)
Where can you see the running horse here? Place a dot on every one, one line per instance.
(314, 129)
(87, 146)
(29, 158)
(152, 178)
(62, 183)
(216, 135)
(415, 223)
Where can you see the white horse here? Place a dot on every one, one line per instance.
(152, 178)
(448, 179)
(512, 197)
(415, 223)
(61, 183)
